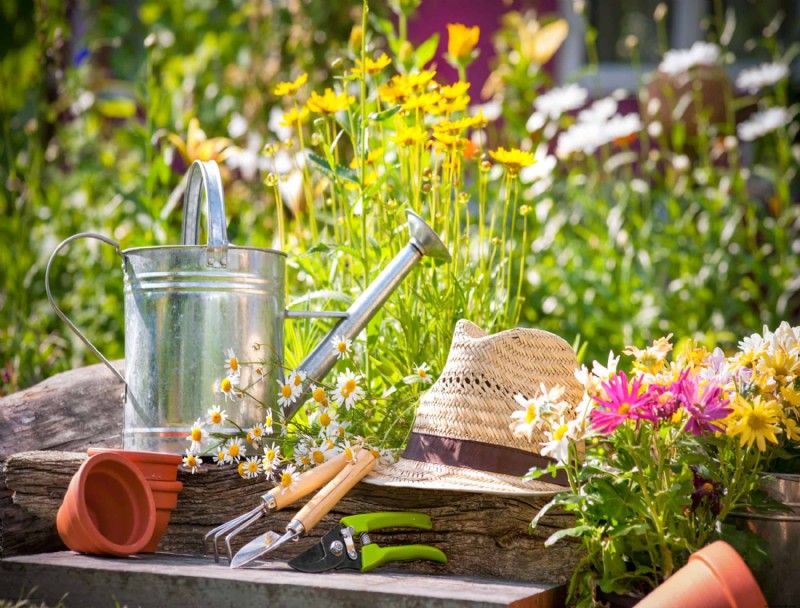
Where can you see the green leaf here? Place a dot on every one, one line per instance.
(340, 172)
(567, 532)
(385, 114)
(426, 51)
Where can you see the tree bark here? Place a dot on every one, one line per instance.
(482, 535)
(69, 411)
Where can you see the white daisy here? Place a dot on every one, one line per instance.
(765, 75)
(560, 100)
(231, 362)
(321, 453)
(234, 450)
(763, 122)
(296, 378)
(197, 435)
(557, 444)
(252, 467)
(341, 346)
(192, 461)
(289, 477)
(348, 392)
(221, 457)
(216, 416)
(272, 457)
(319, 395)
(288, 393)
(678, 61)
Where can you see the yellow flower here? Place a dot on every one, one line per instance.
(198, 146)
(513, 159)
(290, 88)
(293, 118)
(454, 91)
(461, 41)
(329, 102)
(373, 67)
(409, 136)
(756, 421)
(426, 102)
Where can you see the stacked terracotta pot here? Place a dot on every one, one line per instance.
(119, 502)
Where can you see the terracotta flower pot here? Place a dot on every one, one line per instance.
(715, 577)
(165, 496)
(153, 465)
(108, 508)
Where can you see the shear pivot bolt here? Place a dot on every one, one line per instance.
(337, 548)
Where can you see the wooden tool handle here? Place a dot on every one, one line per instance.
(327, 497)
(311, 480)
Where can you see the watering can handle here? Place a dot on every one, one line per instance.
(205, 175)
(70, 324)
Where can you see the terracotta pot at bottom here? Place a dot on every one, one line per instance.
(108, 508)
(165, 496)
(715, 577)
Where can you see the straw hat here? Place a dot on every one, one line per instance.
(461, 438)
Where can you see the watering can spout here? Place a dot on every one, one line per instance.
(423, 241)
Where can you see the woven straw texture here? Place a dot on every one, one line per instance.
(473, 399)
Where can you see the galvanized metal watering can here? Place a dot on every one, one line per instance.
(185, 305)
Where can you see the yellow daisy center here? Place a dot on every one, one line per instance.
(286, 480)
(233, 450)
(286, 391)
(319, 457)
(530, 414)
(197, 434)
(319, 394)
(233, 364)
(324, 419)
(560, 432)
(226, 385)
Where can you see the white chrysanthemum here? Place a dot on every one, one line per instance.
(761, 123)
(252, 468)
(271, 459)
(192, 461)
(289, 477)
(558, 438)
(197, 435)
(767, 74)
(234, 450)
(560, 100)
(288, 392)
(678, 61)
(348, 391)
(341, 346)
(231, 362)
(216, 416)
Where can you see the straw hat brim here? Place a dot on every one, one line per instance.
(407, 473)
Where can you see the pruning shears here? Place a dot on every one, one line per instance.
(337, 549)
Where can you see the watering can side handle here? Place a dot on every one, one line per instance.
(204, 176)
(60, 313)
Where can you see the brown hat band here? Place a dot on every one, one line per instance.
(478, 456)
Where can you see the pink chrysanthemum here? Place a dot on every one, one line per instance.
(703, 402)
(624, 403)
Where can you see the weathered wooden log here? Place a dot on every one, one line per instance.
(68, 411)
(482, 535)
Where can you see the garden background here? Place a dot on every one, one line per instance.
(687, 227)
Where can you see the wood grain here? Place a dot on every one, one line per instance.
(482, 535)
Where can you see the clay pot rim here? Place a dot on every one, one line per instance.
(137, 456)
(157, 485)
(106, 459)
